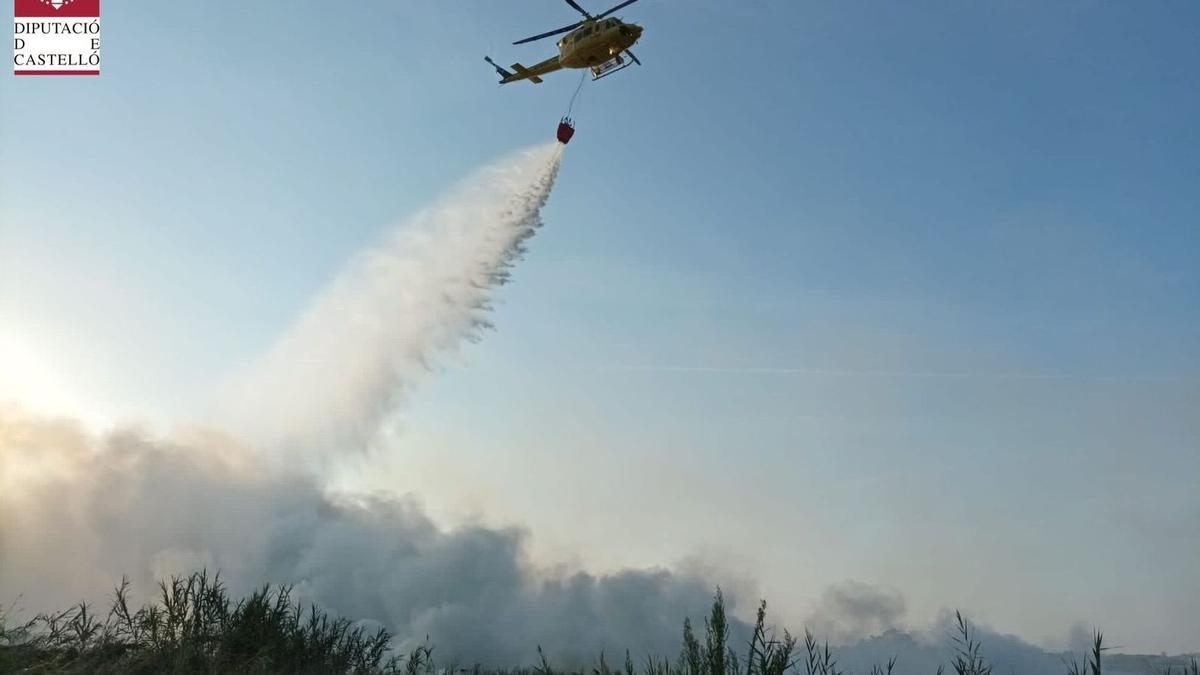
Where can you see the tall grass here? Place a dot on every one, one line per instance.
(194, 626)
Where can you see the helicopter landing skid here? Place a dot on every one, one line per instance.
(609, 67)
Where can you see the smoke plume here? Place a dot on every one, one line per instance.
(78, 512)
(853, 610)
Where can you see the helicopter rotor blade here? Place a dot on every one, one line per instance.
(620, 6)
(549, 33)
(635, 59)
(578, 8)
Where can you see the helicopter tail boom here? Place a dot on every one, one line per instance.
(532, 73)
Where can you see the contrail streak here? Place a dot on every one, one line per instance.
(885, 374)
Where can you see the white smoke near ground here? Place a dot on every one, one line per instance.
(353, 356)
(853, 610)
(78, 512)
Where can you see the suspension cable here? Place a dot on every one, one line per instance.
(571, 105)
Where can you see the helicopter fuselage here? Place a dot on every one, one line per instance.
(596, 42)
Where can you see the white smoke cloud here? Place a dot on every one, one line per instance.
(78, 512)
(853, 610)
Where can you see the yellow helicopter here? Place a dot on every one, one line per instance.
(596, 42)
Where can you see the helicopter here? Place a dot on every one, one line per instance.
(596, 42)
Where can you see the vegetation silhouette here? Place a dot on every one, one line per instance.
(195, 627)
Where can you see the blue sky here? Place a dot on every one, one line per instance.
(899, 292)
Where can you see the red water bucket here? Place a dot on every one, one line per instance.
(565, 130)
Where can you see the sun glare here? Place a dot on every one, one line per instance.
(29, 379)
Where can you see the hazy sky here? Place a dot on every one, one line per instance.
(904, 293)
